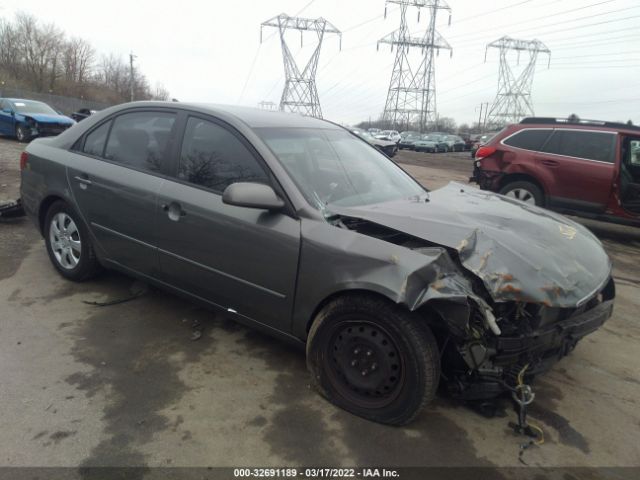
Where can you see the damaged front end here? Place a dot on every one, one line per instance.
(502, 305)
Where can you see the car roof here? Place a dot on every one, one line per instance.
(547, 122)
(252, 117)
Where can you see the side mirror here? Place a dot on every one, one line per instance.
(252, 195)
(7, 110)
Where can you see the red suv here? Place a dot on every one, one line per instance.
(578, 167)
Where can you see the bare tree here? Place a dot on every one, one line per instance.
(77, 60)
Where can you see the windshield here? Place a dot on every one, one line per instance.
(334, 167)
(431, 138)
(28, 106)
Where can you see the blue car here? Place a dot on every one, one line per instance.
(26, 119)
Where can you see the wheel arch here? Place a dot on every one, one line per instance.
(426, 311)
(45, 204)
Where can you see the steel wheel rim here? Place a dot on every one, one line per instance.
(364, 363)
(522, 194)
(20, 133)
(64, 238)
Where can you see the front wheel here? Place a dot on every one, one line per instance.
(373, 359)
(526, 192)
(68, 243)
(21, 134)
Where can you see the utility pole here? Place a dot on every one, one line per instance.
(513, 100)
(300, 93)
(131, 80)
(411, 98)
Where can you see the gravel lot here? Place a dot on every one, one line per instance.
(82, 385)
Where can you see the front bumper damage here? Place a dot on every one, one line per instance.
(481, 366)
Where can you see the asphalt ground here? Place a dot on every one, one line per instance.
(130, 385)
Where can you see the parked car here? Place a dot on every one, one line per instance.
(385, 146)
(294, 226)
(407, 140)
(373, 131)
(585, 168)
(430, 143)
(454, 143)
(26, 119)
(82, 114)
(390, 135)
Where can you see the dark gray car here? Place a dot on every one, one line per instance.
(296, 226)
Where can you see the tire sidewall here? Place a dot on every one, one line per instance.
(410, 396)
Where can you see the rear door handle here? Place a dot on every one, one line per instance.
(550, 163)
(83, 180)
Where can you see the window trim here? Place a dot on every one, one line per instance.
(553, 130)
(522, 130)
(78, 145)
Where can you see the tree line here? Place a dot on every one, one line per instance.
(41, 57)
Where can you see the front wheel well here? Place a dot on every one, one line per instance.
(427, 313)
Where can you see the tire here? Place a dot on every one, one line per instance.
(524, 191)
(22, 135)
(373, 359)
(62, 229)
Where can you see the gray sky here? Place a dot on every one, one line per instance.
(210, 50)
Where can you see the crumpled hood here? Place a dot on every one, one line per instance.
(49, 118)
(520, 252)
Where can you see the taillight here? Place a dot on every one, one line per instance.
(24, 158)
(485, 152)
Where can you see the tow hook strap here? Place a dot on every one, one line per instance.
(523, 395)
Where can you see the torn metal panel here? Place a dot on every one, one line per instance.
(520, 252)
(334, 259)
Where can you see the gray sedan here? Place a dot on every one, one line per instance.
(298, 227)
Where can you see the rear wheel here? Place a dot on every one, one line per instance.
(526, 192)
(373, 359)
(21, 134)
(68, 243)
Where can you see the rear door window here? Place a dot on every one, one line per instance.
(213, 157)
(530, 139)
(582, 144)
(96, 140)
(140, 139)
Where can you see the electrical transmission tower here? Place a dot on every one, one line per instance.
(412, 91)
(513, 100)
(300, 93)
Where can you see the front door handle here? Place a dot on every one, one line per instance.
(174, 210)
(83, 180)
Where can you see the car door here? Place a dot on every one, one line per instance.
(579, 168)
(115, 175)
(7, 118)
(242, 259)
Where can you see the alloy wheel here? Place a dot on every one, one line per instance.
(65, 241)
(522, 194)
